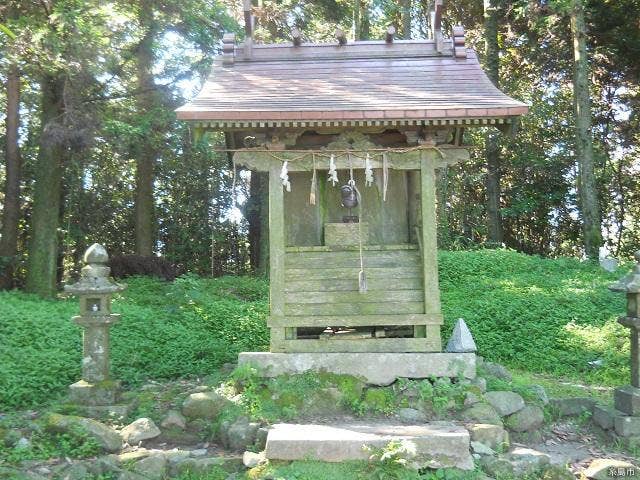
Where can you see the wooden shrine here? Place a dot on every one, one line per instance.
(377, 116)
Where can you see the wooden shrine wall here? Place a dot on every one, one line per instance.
(388, 221)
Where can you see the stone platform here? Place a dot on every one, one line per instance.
(374, 368)
(431, 445)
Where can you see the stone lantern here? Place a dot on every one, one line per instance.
(627, 398)
(95, 289)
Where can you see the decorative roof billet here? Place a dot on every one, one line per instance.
(388, 82)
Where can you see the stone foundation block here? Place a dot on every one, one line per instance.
(604, 416)
(572, 407)
(103, 393)
(627, 426)
(627, 400)
(373, 368)
(434, 446)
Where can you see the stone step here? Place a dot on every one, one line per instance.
(435, 445)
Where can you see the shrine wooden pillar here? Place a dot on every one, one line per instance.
(276, 254)
(429, 232)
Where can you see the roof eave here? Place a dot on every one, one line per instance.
(253, 119)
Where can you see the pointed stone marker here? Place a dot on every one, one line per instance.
(461, 340)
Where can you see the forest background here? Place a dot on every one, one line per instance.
(93, 151)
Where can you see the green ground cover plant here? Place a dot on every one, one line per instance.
(387, 464)
(167, 330)
(289, 396)
(540, 315)
(43, 445)
(550, 316)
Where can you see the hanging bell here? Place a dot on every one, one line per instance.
(349, 197)
(349, 200)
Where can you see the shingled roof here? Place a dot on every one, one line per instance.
(410, 82)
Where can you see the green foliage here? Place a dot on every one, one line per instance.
(381, 401)
(444, 393)
(167, 330)
(386, 464)
(287, 396)
(435, 396)
(309, 470)
(537, 314)
(92, 45)
(519, 385)
(350, 387)
(392, 462)
(44, 445)
(540, 315)
(215, 473)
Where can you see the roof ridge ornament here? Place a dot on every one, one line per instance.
(228, 48)
(458, 40)
(436, 25)
(296, 37)
(391, 31)
(248, 28)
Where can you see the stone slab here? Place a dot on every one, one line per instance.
(627, 400)
(605, 468)
(374, 368)
(434, 446)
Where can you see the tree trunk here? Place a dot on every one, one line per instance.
(257, 215)
(588, 193)
(442, 192)
(145, 150)
(363, 22)
(13, 168)
(405, 11)
(492, 148)
(43, 246)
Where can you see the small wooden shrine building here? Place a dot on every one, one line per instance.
(377, 116)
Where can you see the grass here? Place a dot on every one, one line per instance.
(353, 470)
(537, 315)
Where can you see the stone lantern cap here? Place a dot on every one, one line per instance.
(631, 282)
(94, 277)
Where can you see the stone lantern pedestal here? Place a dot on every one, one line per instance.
(627, 398)
(97, 393)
